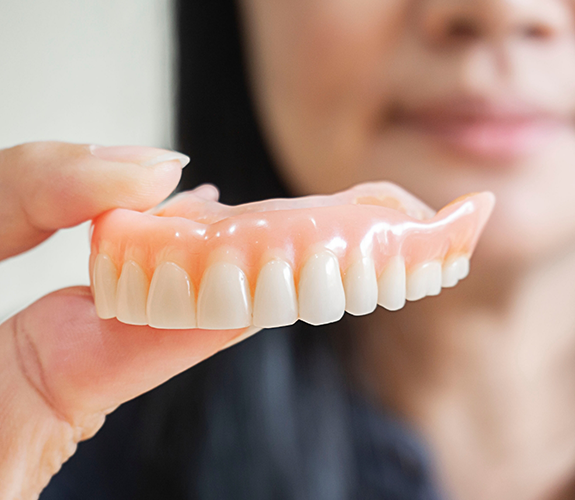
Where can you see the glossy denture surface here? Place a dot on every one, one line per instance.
(194, 262)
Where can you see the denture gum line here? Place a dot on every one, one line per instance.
(195, 263)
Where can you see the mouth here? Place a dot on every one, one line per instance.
(504, 130)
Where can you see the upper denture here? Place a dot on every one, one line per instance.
(371, 223)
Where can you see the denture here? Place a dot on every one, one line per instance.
(196, 263)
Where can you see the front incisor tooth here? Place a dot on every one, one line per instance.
(275, 301)
(321, 297)
(131, 294)
(391, 284)
(423, 280)
(454, 269)
(224, 299)
(360, 283)
(171, 300)
(105, 281)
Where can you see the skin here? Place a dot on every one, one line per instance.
(364, 90)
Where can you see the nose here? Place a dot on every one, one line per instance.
(449, 22)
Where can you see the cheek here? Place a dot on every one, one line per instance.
(316, 67)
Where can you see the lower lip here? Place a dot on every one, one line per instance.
(488, 138)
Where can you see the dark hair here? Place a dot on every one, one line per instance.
(216, 121)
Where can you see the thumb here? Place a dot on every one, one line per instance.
(82, 365)
(46, 186)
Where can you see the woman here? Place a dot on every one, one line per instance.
(441, 97)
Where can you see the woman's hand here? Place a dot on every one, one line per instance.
(62, 369)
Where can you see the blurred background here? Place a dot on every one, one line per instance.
(66, 78)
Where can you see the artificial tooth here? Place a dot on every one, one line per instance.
(462, 266)
(131, 295)
(454, 270)
(105, 283)
(423, 280)
(171, 300)
(321, 297)
(275, 301)
(360, 284)
(391, 284)
(224, 299)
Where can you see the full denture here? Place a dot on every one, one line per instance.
(198, 263)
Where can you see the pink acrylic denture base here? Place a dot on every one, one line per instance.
(379, 220)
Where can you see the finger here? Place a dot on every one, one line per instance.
(46, 186)
(83, 365)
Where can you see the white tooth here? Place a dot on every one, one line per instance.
(454, 269)
(224, 299)
(391, 284)
(321, 297)
(360, 283)
(423, 279)
(275, 301)
(171, 300)
(131, 295)
(462, 267)
(105, 281)
(449, 275)
(433, 278)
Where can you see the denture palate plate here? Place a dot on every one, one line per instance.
(360, 284)
(275, 299)
(423, 280)
(171, 299)
(224, 299)
(391, 284)
(131, 295)
(321, 296)
(105, 280)
(454, 269)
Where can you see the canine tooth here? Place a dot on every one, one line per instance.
(131, 295)
(171, 300)
(275, 301)
(105, 283)
(391, 285)
(321, 297)
(424, 280)
(224, 299)
(360, 283)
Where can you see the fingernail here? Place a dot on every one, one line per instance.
(142, 155)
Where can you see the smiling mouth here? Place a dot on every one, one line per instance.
(503, 131)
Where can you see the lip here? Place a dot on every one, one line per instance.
(504, 130)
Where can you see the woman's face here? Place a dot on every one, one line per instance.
(443, 97)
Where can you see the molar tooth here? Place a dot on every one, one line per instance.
(433, 278)
(360, 283)
(171, 300)
(275, 301)
(321, 296)
(131, 295)
(454, 270)
(105, 281)
(391, 284)
(462, 267)
(224, 299)
(423, 280)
